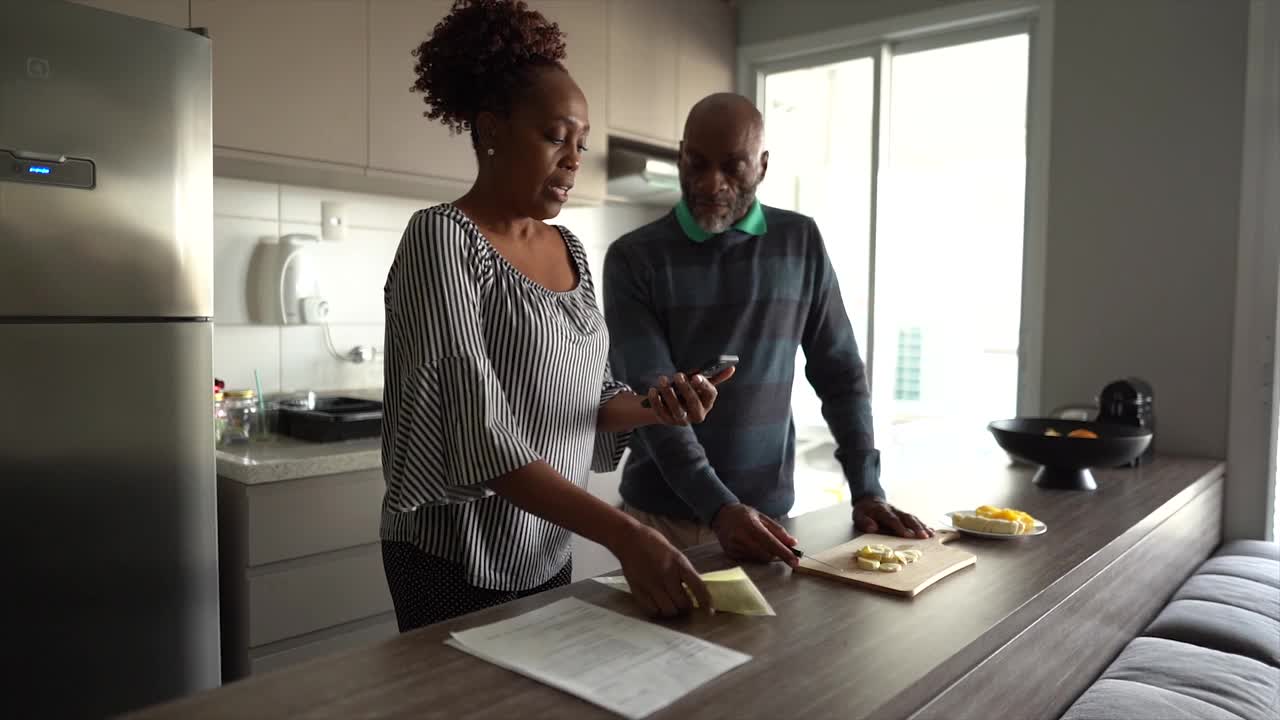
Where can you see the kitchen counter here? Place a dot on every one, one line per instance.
(1020, 634)
(278, 458)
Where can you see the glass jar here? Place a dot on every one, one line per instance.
(242, 416)
(219, 417)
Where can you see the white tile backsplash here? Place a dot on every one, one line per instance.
(350, 274)
(243, 249)
(302, 205)
(597, 228)
(249, 217)
(306, 364)
(245, 199)
(240, 349)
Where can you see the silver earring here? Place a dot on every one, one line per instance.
(489, 152)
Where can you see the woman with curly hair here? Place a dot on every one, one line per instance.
(499, 399)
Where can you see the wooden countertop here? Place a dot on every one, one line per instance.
(832, 651)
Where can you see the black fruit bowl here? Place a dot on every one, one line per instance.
(1065, 461)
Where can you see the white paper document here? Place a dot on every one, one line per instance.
(622, 664)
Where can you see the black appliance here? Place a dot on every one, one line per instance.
(1130, 401)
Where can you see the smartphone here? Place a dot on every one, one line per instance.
(724, 362)
(712, 369)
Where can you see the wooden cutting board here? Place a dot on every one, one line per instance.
(939, 561)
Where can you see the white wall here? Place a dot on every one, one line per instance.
(250, 216)
(1144, 176)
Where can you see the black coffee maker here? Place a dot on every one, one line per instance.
(1130, 401)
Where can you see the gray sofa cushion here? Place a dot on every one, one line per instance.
(1260, 570)
(1232, 603)
(1158, 679)
(1220, 627)
(1212, 653)
(1251, 548)
(1234, 591)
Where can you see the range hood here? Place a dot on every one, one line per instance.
(643, 175)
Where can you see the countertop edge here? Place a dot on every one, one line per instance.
(295, 469)
(958, 666)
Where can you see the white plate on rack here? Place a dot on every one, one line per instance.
(1038, 529)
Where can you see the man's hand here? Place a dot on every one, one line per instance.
(874, 515)
(745, 534)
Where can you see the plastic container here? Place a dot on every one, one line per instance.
(333, 419)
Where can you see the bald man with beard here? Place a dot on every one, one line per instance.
(723, 274)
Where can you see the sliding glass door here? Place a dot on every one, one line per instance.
(912, 158)
(818, 125)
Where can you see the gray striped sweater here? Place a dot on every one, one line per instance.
(674, 304)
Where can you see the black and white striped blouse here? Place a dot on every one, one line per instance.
(486, 372)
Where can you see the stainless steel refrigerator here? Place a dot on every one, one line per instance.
(109, 582)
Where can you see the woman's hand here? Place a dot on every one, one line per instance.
(628, 411)
(661, 578)
(687, 400)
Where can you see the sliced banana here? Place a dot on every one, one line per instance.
(977, 523)
(884, 558)
(873, 552)
(1004, 527)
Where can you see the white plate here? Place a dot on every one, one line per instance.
(1039, 529)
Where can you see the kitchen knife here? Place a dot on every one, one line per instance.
(800, 554)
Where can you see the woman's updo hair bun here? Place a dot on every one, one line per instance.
(479, 58)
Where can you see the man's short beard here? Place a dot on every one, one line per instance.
(718, 225)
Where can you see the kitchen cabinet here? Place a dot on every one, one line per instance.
(642, 69)
(586, 27)
(401, 139)
(317, 92)
(664, 57)
(300, 569)
(169, 12)
(706, 56)
(290, 77)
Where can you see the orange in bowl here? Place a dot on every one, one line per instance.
(1083, 433)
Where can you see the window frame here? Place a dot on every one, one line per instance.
(921, 31)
